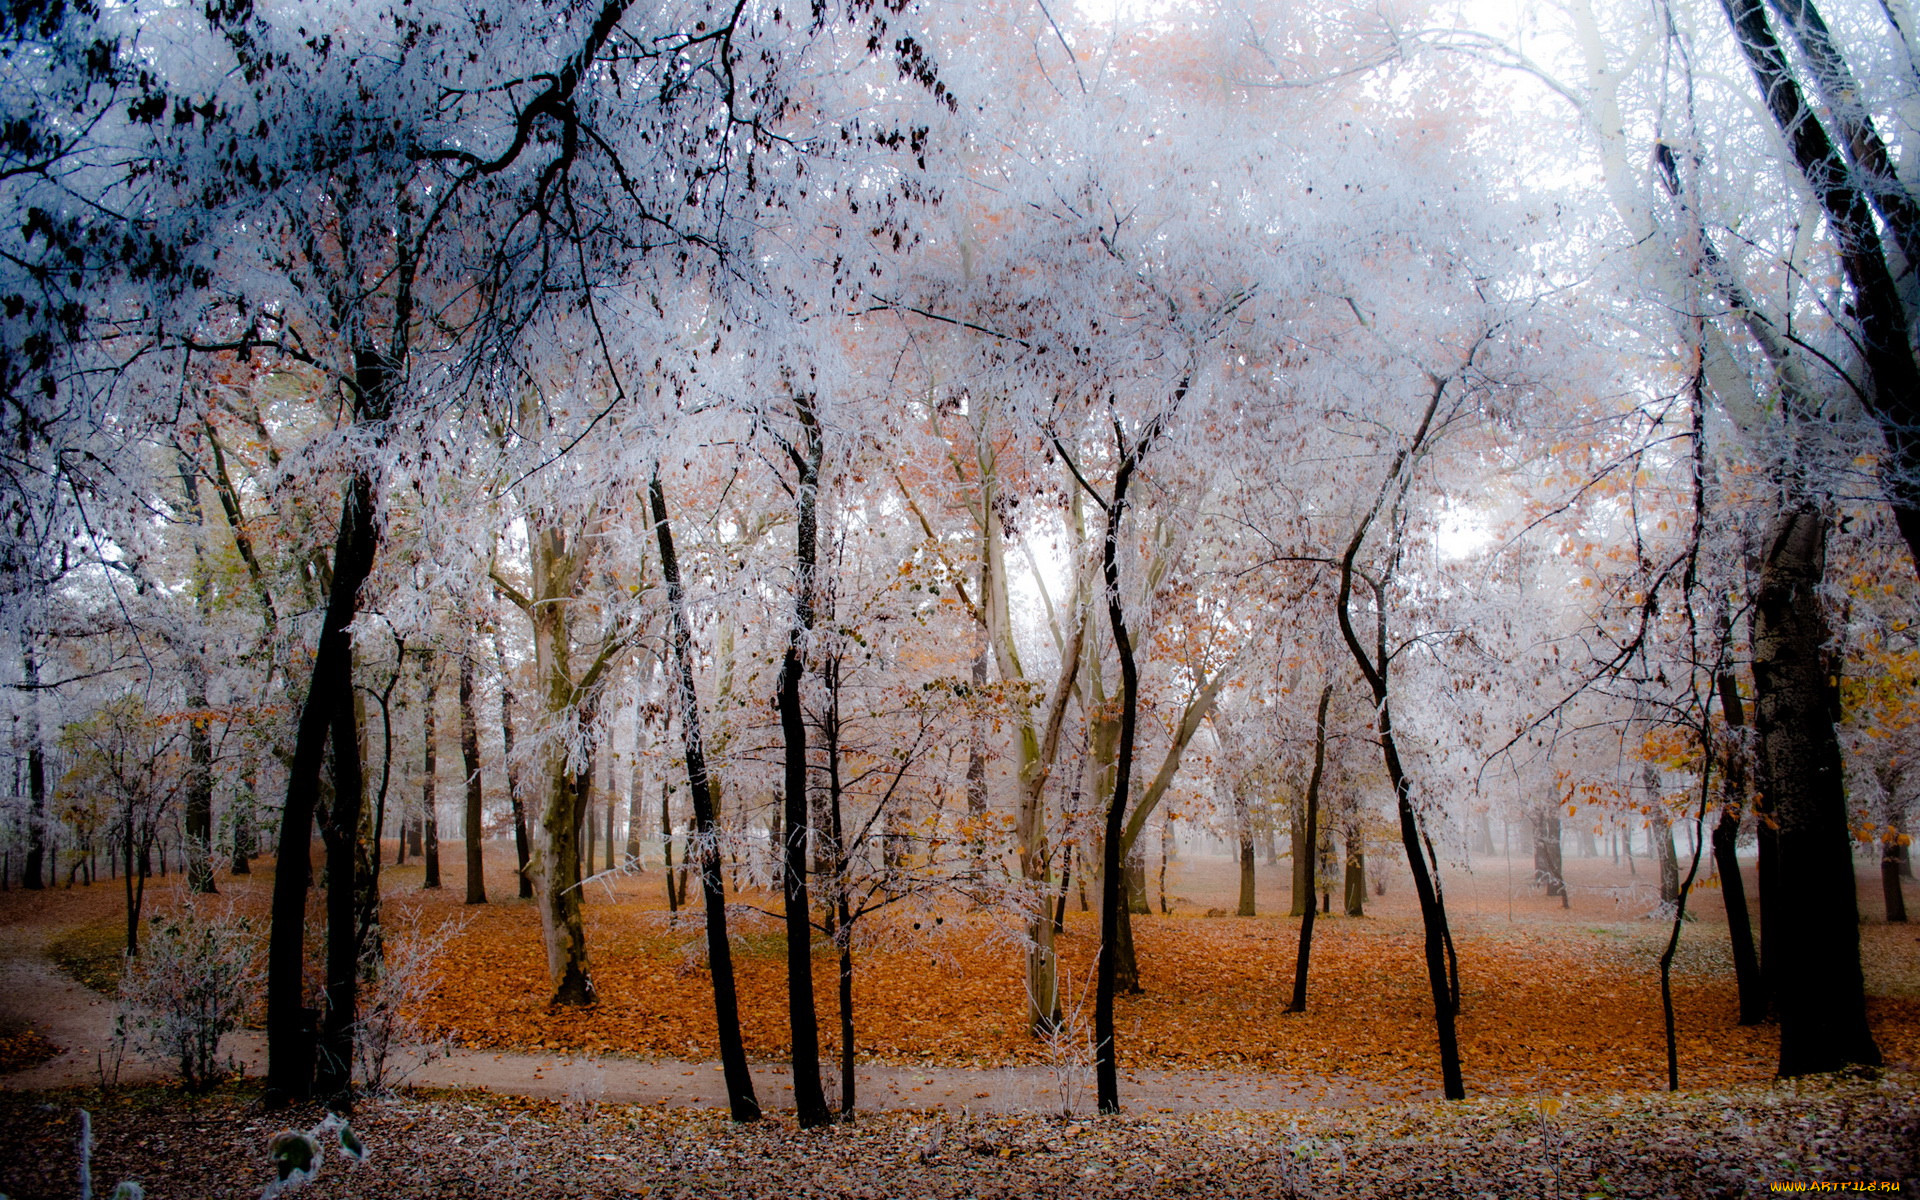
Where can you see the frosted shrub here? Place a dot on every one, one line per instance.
(187, 989)
(391, 995)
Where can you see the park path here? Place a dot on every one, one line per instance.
(80, 1021)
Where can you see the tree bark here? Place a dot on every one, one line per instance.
(726, 1009)
(1726, 857)
(522, 851)
(802, 1019)
(1312, 830)
(429, 770)
(1813, 941)
(1442, 976)
(1301, 854)
(1893, 400)
(290, 1029)
(1243, 828)
(340, 829)
(33, 877)
(1356, 889)
(470, 760)
(1548, 864)
(1891, 896)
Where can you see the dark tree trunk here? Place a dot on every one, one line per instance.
(726, 1007)
(1112, 911)
(809, 1098)
(1890, 893)
(340, 829)
(470, 761)
(1304, 953)
(522, 851)
(676, 880)
(1302, 854)
(1726, 843)
(1442, 968)
(1883, 336)
(33, 876)
(429, 777)
(198, 809)
(290, 1030)
(1243, 824)
(243, 827)
(1812, 938)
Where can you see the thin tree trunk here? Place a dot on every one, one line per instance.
(726, 1010)
(522, 851)
(470, 760)
(1356, 889)
(33, 877)
(676, 880)
(1243, 826)
(1305, 950)
(1442, 969)
(1106, 1060)
(429, 777)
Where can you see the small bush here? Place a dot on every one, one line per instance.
(187, 989)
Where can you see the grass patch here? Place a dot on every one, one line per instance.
(92, 954)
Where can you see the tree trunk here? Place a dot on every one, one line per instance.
(1243, 827)
(241, 818)
(1883, 335)
(1135, 876)
(290, 1030)
(809, 1098)
(1482, 833)
(1890, 893)
(676, 879)
(522, 851)
(340, 829)
(1548, 865)
(566, 782)
(1442, 970)
(1813, 940)
(1112, 913)
(636, 785)
(470, 760)
(199, 791)
(1726, 841)
(429, 772)
(1302, 854)
(1312, 832)
(33, 877)
(1356, 872)
(726, 1009)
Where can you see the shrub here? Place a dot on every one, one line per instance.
(187, 989)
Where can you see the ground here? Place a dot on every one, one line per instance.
(1561, 1040)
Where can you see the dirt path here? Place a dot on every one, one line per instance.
(80, 1021)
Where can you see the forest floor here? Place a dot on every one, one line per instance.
(1561, 1040)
